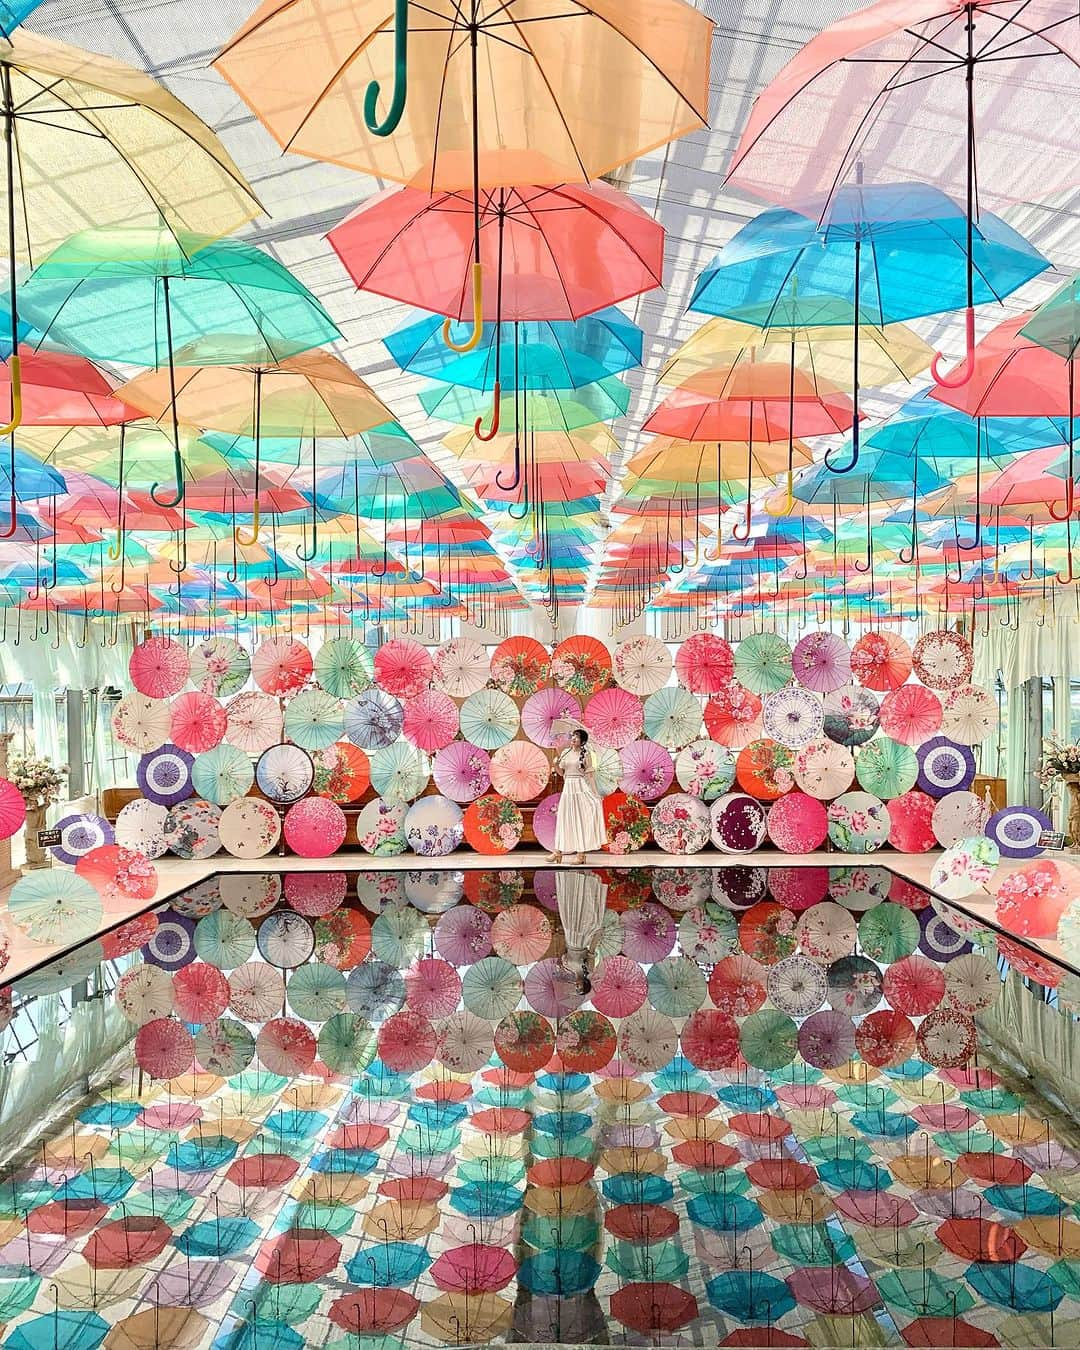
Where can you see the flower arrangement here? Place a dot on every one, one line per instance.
(1060, 762)
(37, 778)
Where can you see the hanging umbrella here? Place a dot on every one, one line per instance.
(654, 1307)
(74, 1328)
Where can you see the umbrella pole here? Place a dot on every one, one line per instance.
(14, 361)
(477, 267)
(1070, 482)
(178, 463)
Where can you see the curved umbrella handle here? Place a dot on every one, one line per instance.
(9, 531)
(401, 79)
(478, 314)
(116, 549)
(744, 534)
(256, 519)
(966, 369)
(1070, 499)
(496, 412)
(178, 495)
(15, 364)
(789, 499)
(847, 468)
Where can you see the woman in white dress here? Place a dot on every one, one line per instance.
(582, 900)
(579, 824)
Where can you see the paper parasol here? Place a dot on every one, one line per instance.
(705, 769)
(647, 770)
(380, 828)
(222, 774)
(520, 771)
(54, 907)
(613, 718)
(219, 666)
(798, 823)
(1017, 830)
(543, 709)
(824, 769)
(763, 662)
(911, 822)
(191, 829)
(733, 716)
(945, 766)
(462, 771)
(705, 663)
(881, 661)
(342, 772)
(581, 665)
(681, 823)
(373, 719)
(641, 665)
(943, 660)
(79, 835)
(858, 822)
(159, 667)
(343, 667)
(197, 722)
(852, 715)
(673, 717)
(284, 773)
(821, 662)
(281, 666)
(315, 827)
(738, 823)
(969, 714)
(164, 775)
(910, 714)
(314, 719)
(461, 668)
(793, 716)
(489, 719)
(434, 826)
(253, 722)
(764, 769)
(249, 828)
(398, 772)
(431, 720)
(959, 815)
(141, 825)
(886, 767)
(141, 723)
(519, 666)
(493, 824)
(403, 668)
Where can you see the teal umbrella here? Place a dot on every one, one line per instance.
(768, 1039)
(812, 1244)
(724, 1214)
(222, 774)
(391, 1265)
(343, 667)
(275, 1304)
(316, 992)
(314, 719)
(558, 1270)
(924, 1293)
(1016, 1286)
(659, 1261)
(67, 1327)
(18, 1287)
(224, 939)
(888, 933)
(542, 408)
(886, 767)
(53, 907)
(347, 1043)
(723, 1182)
(398, 937)
(750, 1296)
(676, 986)
(218, 1237)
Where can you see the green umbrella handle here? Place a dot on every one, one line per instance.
(401, 79)
(178, 496)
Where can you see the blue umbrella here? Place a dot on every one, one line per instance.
(846, 1175)
(201, 1155)
(744, 1097)
(487, 1199)
(1023, 1200)
(390, 1265)
(1012, 1285)
(564, 1124)
(15, 12)
(563, 1082)
(559, 1270)
(724, 1214)
(635, 1188)
(885, 1124)
(114, 1115)
(259, 1335)
(437, 1115)
(750, 1296)
(217, 1237)
(379, 1081)
(296, 1124)
(107, 1185)
(358, 1161)
(375, 990)
(69, 1327)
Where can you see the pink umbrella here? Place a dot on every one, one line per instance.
(431, 720)
(520, 771)
(821, 662)
(710, 1039)
(648, 770)
(543, 709)
(159, 667)
(621, 988)
(827, 1039)
(200, 993)
(463, 935)
(407, 1041)
(876, 1209)
(614, 718)
(315, 827)
(549, 991)
(911, 822)
(474, 1269)
(648, 933)
(705, 663)
(545, 818)
(462, 771)
(198, 722)
(286, 1046)
(403, 668)
(833, 1290)
(521, 934)
(733, 716)
(281, 666)
(798, 888)
(164, 1048)
(910, 714)
(432, 987)
(797, 823)
(315, 893)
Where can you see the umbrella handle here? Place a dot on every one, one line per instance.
(478, 314)
(743, 534)
(238, 531)
(178, 495)
(401, 79)
(966, 369)
(1070, 501)
(847, 468)
(789, 499)
(15, 363)
(496, 410)
(13, 524)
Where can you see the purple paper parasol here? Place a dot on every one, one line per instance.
(164, 775)
(543, 709)
(945, 766)
(647, 770)
(821, 662)
(1016, 830)
(462, 771)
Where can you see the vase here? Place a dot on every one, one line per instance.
(1072, 802)
(36, 856)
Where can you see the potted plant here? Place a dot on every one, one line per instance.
(1061, 764)
(40, 782)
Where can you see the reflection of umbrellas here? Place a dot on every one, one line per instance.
(654, 1306)
(54, 907)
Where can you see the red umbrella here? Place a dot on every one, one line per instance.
(759, 1126)
(643, 1224)
(407, 1041)
(164, 1048)
(705, 1154)
(586, 1041)
(374, 1312)
(501, 1120)
(66, 1218)
(300, 1256)
(200, 992)
(132, 1241)
(433, 987)
(654, 1307)
(688, 1103)
(781, 1174)
(562, 1171)
(876, 1209)
(474, 1269)
(946, 1331)
(270, 1170)
(710, 1039)
(286, 1046)
(358, 1137)
(995, 1169)
(622, 987)
(524, 1040)
(981, 1240)
(555, 253)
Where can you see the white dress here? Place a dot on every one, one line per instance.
(581, 897)
(579, 825)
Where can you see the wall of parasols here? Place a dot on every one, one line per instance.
(428, 750)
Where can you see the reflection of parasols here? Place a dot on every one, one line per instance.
(460, 668)
(342, 772)
(827, 932)
(159, 667)
(798, 823)
(647, 1039)
(54, 907)
(614, 718)
(463, 935)
(768, 1039)
(81, 834)
(314, 719)
(764, 769)
(380, 828)
(403, 667)
(489, 719)
(219, 666)
(462, 771)
(286, 1046)
(705, 769)
(285, 939)
(256, 991)
(398, 772)
(763, 662)
(1016, 830)
(140, 825)
(373, 719)
(118, 873)
(431, 720)
(886, 768)
(733, 716)
(710, 1039)
(434, 826)
(958, 816)
(914, 985)
(885, 1038)
(165, 775)
(284, 773)
(519, 666)
(738, 823)
(164, 1048)
(281, 666)
(827, 1039)
(911, 822)
(649, 933)
(823, 769)
(249, 828)
(343, 667)
(641, 665)
(524, 1041)
(888, 932)
(705, 663)
(881, 661)
(969, 714)
(141, 723)
(821, 662)
(672, 717)
(793, 716)
(253, 722)
(521, 934)
(619, 987)
(855, 985)
(943, 660)
(520, 770)
(944, 766)
(737, 985)
(947, 1038)
(222, 774)
(647, 770)
(315, 827)
(197, 722)
(543, 709)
